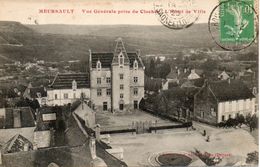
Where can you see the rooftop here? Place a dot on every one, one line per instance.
(230, 90)
(107, 58)
(64, 80)
(17, 118)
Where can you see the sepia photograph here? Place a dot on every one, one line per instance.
(129, 83)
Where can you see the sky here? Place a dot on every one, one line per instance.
(27, 11)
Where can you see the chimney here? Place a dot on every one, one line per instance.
(92, 146)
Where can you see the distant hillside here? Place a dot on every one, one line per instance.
(14, 27)
(172, 38)
(70, 42)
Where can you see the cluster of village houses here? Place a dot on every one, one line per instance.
(116, 83)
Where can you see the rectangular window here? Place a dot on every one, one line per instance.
(98, 80)
(56, 96)
(135, 91)
(108, 92)
(99, 92)
(108, 80)
(121, 76)
(66, 96)
(121, 86)
(223, 117)
(74, 95)
(121, 95)
(135, 79)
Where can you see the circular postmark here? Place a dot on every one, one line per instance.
(177, 14)
(233, 24)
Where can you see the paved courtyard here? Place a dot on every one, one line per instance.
(108, 119)
(232, 144)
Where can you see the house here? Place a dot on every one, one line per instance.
(36, 93)
(193, 75)
(84, 112)
(78, 151)
(180, 74)
(16, 121)
(195, 83)
(223, 75)
(217, 101)
(155, 85)
(116, 79)
(67, 88)
(16, 144)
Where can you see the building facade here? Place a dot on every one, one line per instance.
(38, 93)
(116, 79)
(67, 88)
(220, 100)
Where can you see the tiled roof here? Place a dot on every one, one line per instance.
(64, 81)
(107, 58)
(177, 93)
(26, 117)
(17, 144)
(235, 90)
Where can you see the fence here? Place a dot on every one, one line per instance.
(143, 127)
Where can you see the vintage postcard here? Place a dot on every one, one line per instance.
(137, 83)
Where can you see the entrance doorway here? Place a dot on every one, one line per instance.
(121, 106)
(135, 104)
(104, 106)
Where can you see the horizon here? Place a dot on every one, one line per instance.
(28, 12)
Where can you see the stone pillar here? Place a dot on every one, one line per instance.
(97, 132)
(92, 146)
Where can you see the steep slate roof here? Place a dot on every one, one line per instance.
(235, 90)
(64, 81)
(107, 58)
(26, 115)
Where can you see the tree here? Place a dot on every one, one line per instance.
(152, 68)
(240, 119)
(252, 122)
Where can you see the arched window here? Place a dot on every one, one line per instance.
(98, 65)
(74, 85)
(135, 65)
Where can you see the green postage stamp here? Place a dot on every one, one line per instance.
(236, 21)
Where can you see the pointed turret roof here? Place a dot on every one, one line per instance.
(120, 48)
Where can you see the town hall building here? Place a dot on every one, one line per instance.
(116, 79)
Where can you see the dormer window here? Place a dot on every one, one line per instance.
(121, 60)
(135, 65)
(98, 65)
(74, 85)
